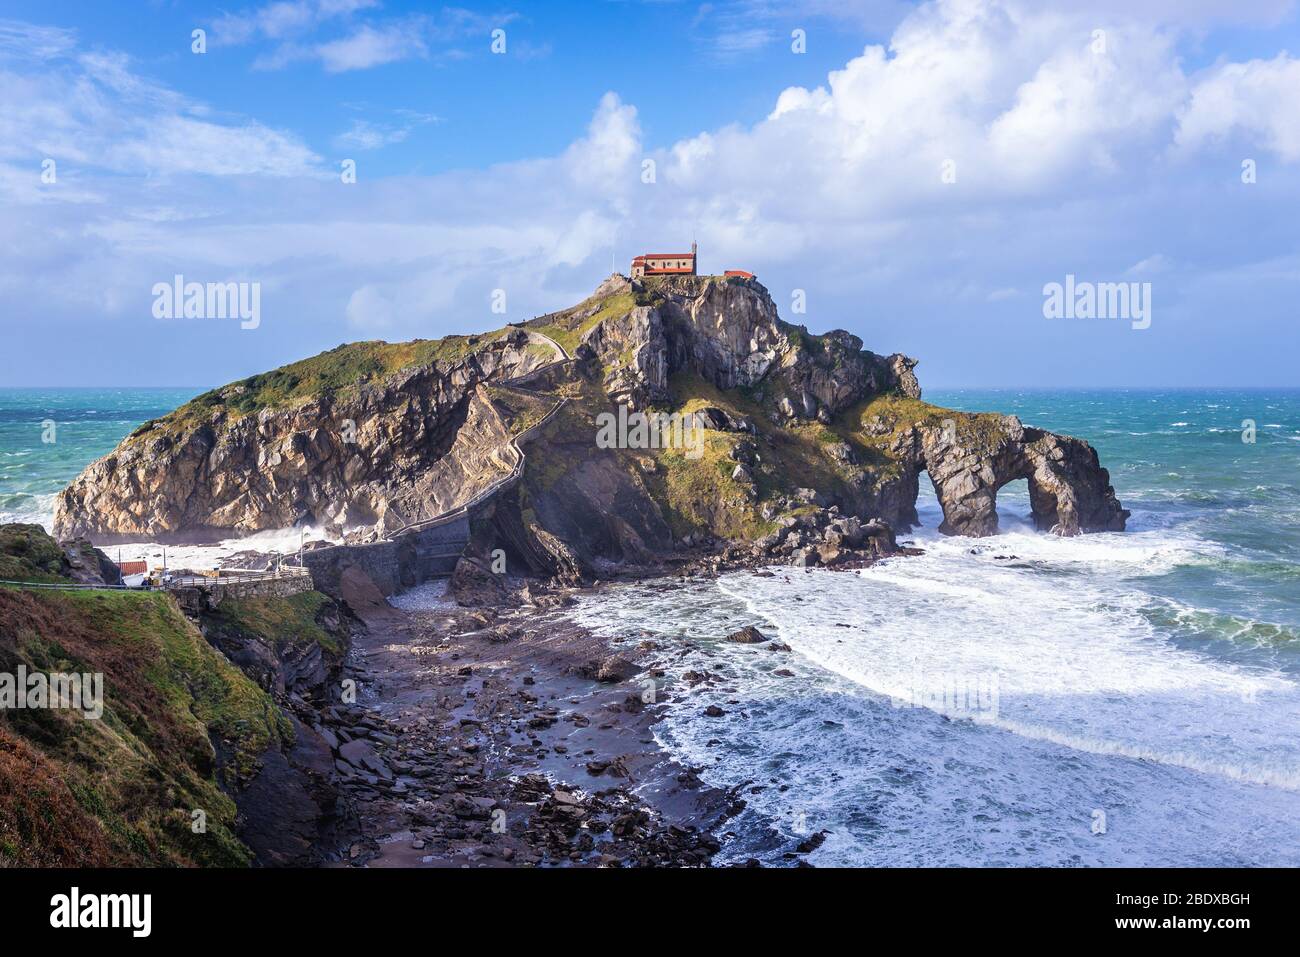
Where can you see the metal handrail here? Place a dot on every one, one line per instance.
(237, 576)
(230, 575)
(69, 585)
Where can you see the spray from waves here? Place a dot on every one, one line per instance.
(26, 509)
(1287, 778)
(1079, 666)
(281, 541)
(1140, 551)
(1180, 723)
(895, 784)
(900, 683)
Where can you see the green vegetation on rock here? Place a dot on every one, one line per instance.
(341, 370)
(282, 621)
(123, 789)
(28, 554)
(568, 327)
(182, 728)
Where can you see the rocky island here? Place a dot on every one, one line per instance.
(382, 437)
(487, 727)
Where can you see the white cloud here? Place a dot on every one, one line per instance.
(1157, 263)
(369, 47)
(93, 112)
(1259, 100)
(603, 158)
(366, 134)
(28, 41)
(282, 19)
(1061, 161)
(295, 30)
(175, 145)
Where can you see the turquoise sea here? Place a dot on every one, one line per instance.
(88, 423)
(1121, 699)
(1137, 694)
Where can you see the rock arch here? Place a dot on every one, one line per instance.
(1069, 491)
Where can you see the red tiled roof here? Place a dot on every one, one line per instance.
(133, 568)
(664, 256)
(739, 272)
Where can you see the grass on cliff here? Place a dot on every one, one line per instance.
(28, 554)
(790, 456)
(293, 620)
(698, 493)
(519, 410)
(340, 370)
(122, 789)
(981, 431)
(568, 327)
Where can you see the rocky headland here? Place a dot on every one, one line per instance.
(373, 437)
(483, 728)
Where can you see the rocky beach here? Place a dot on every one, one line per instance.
(486, 738)
(507, 733)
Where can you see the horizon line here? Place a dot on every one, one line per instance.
(941, 387)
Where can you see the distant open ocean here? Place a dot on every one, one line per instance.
(88, 423)
(1145, 685)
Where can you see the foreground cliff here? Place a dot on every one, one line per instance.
(198, 751)
(377, 436)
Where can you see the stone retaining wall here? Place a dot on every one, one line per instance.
(403, 562)
(193, 598)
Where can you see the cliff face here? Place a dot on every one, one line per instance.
(792, 421)
(728, 333)
(358, 446)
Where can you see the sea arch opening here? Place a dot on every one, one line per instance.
(929, 511)
(1012, 504)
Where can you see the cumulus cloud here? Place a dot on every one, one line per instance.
(1058, 153)
(1257, 100)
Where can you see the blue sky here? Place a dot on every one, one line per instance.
(823, 171)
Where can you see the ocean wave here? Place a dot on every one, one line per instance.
(1166, 613)
(28, 509)
(1081, 665)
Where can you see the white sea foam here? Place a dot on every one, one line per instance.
(282, 541)
(34, 510)
(1188, 759)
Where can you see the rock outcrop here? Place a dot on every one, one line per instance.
(969, 458)
(378, 435)
(380, 452)
(27, 553)
(728, 332)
